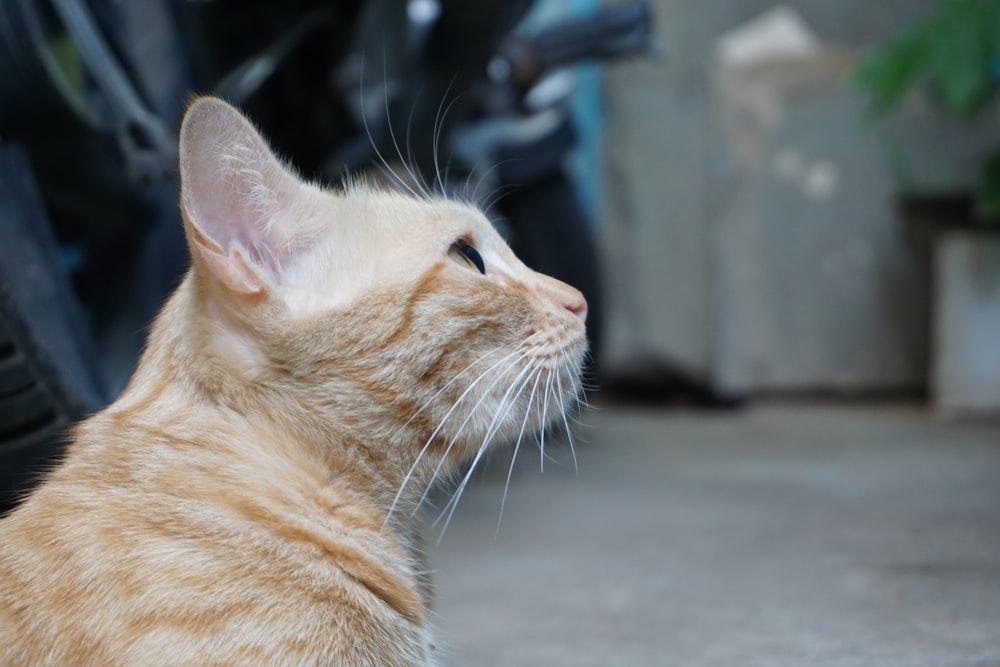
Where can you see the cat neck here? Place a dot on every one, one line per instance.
(181, 386)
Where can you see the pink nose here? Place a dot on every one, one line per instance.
(568, 297)
(577, 305)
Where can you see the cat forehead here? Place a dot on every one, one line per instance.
(411, 228)
(377, 238)
(403, 214)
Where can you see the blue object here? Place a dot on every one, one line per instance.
(587, 159)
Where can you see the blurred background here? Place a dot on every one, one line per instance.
(784, 216)
(775, 201)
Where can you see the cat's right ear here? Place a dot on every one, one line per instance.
(232, 189)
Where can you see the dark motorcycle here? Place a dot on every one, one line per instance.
(446, 96)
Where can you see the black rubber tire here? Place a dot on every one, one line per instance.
(552, 235)
(48, 373)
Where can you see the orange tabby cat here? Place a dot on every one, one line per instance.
(248, 498)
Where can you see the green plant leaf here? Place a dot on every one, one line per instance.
(958, 66)
(888, 73)
(988, 195)
(950, 55)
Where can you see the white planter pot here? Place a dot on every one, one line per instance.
(966, 365)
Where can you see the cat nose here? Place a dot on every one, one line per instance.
(577, 305)
(568, 297)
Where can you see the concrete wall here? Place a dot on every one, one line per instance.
(966, 373)
(662, 154)
(665, 152)
(813, 282)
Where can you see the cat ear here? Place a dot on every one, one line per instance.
(232, 189)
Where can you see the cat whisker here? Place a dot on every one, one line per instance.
(482, 178)
(439, 118)
(489, 200)
(545, 411)
(528, 375)
(587, 379)
(461, 427)
(447, 169)
(390, 173)
(517, 446)
(498, 196)
(410, 171)
(569, 431)
(409, 129)
(450, 382)
(581, 395)
(577, 422)
(430, 440)
(499, 417)
(507, 358)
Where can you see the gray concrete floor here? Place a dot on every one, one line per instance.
(777, 536)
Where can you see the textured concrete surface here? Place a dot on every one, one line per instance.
(777, 536)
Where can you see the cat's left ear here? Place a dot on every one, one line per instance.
(232, 190)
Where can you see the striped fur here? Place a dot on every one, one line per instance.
(248, 500)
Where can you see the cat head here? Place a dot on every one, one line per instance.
(388, 313)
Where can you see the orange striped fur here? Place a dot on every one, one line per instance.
(248, 499)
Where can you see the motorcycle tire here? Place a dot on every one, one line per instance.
(48, 373)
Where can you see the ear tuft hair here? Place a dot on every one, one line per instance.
(232, 190)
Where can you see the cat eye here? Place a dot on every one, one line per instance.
(463, 253)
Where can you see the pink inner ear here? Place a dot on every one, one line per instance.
(232, 185)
